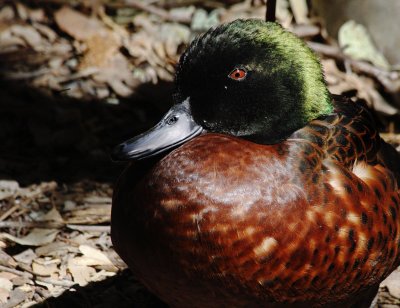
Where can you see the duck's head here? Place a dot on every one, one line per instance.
(247, 78)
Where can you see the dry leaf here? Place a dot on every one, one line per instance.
(55, 249)
(97, 200)
(6, 284)
(16, 296)
(101, 48)
(69, 205)
(20, 281)
(27, 256)
(9, 185)
(22, 11)
(28, 34)
(245, 9)
(393, 283)
(8, 275)
(6, 260)
(81, 274)
(76, 24)
(46, 31)
(357, 43)
(81, 239)
(95, 254)
(91, 257)
(300, 11)
(202, 21)
(4, 295)
(53, 289)
(340, 82)
(52, 215)
(91, 215)
(101, 275)
(5, 289)
(36, 237)
(26, 13)
(6, 13)
(44, 269)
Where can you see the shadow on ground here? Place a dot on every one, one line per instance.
(60, 139)
(119, 291)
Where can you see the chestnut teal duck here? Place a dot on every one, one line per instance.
(258, 188)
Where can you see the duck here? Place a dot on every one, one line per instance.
(258, 188)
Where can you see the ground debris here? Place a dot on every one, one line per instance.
(39, 262)
(102, 50)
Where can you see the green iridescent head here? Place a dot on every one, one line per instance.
(253, 79)
(247, 78)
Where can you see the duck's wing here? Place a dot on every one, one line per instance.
(390, 158)
(362, 129)
(350, 136)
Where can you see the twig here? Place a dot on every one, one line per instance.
(16, 272)
(163, 14)
(79, 75)
(32, 224)
(389, 79)
(90, 228)
(336, 53)
(304, 30)
(23, 75)
(53, 225)
(9, 212)
(271, 8)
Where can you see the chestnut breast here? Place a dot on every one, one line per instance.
(222, 219)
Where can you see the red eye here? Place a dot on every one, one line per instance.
(238, 74)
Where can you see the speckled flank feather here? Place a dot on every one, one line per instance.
(223, 222)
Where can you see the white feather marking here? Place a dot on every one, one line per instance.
(267, 246)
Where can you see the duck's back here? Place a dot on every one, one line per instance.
(224, 222)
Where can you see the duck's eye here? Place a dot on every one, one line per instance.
(238, 74)
(172, 120)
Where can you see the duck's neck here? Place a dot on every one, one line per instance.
(295, 117)
(302, 68)
(317, 99)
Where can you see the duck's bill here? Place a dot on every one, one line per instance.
(174, 129)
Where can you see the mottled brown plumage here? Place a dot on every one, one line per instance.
(289, 198)
(224, 222)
